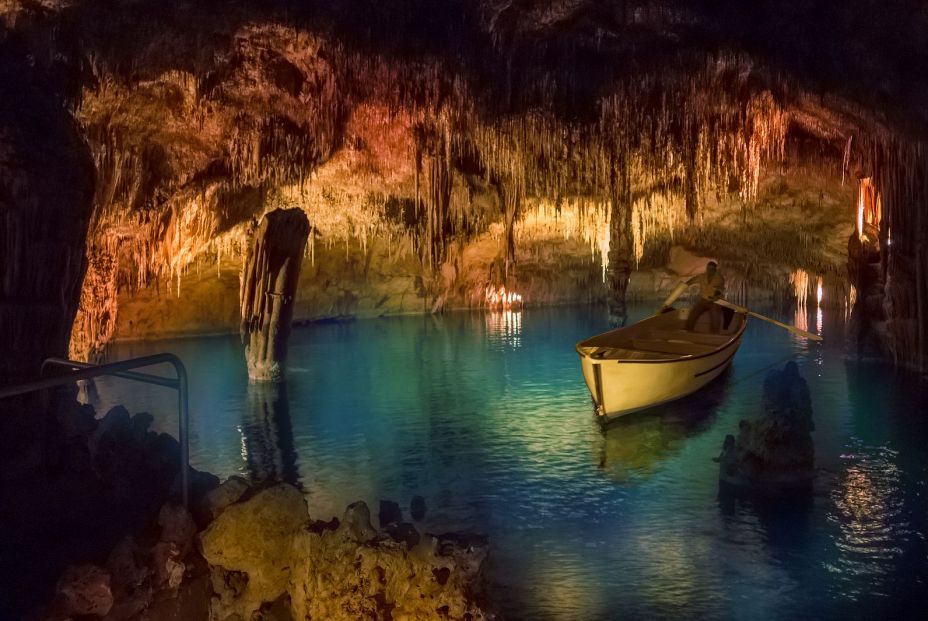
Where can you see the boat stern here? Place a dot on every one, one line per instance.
(592, 375)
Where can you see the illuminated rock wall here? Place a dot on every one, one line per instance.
(431, 130)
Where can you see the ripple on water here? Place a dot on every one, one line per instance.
(487, 418)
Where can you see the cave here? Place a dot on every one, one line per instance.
(373, 235)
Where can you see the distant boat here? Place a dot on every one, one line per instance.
(656, 360)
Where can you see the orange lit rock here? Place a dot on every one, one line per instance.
(268, 289)
(266, 546)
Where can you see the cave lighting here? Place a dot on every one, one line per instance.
(869, 206)
(800, 282)
(818, 291)
(860, 217)
(502, 298)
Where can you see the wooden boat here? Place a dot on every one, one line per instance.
(656, 360)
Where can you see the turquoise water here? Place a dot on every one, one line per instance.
(487, 417)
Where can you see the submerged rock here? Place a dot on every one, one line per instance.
(177, 526)
(390, 513)
(776, 451)
(417, 508)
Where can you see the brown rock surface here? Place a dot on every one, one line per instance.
(268, 290)
(266, 546)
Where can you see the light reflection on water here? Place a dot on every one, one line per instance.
(488, 418)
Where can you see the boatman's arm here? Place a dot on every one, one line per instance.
(666, 306)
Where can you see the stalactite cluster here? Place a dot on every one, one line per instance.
(447, 136)
(887, 253)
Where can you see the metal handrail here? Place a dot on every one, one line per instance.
(123, 370)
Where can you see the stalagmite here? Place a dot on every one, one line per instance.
(269, 281)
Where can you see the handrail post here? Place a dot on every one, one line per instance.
(183, 431)
(122, 370)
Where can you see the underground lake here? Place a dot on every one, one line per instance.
(486, 416)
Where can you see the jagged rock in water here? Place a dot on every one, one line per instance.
(267, 547)
(269, 282)
(417, 508)
(390, 513)
(774, 452)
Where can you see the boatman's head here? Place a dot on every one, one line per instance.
(711, 267)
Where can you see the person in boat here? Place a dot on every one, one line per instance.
(711, 287)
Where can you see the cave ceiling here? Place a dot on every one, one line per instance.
(433, 119)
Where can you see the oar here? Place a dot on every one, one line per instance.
(792, 329)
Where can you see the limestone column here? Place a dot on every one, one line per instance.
(269, 282)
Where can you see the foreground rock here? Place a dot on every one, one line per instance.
(265, 549)
(774, 452)
(246, 549)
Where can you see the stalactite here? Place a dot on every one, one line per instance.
(699, 127)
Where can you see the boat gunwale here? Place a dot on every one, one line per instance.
(733, 340)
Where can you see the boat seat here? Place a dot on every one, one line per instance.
(692, 337)
(621, 353)
(670, 347)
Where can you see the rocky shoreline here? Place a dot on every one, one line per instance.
(243, 550)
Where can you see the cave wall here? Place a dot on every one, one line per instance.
(413, 133)
(46, 190)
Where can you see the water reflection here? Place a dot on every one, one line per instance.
(868, 514)
(487, 417)
(267, 434)
(634, 445)
(504, 327)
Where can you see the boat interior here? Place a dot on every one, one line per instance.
(662, 337)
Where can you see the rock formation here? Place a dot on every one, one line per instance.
(774, 452)
(573, 141)
(269, 284)
(265, 547)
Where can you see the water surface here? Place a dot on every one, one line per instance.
(487, 417)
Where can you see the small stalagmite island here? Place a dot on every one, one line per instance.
(444, 309)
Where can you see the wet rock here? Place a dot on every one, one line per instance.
(265, 550)
(200, 482)
(177, 526)
(131, 591)
(140, 424)
(125, 566)
(161, 458)
(775, 451)
(404, 533)
(417, 508)
(168, 566)
(216, 501)
(357, 522)
(77, 420)
(340, 578)
(255, 538)
(390, 513)
(113, 431)
(85, 590)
